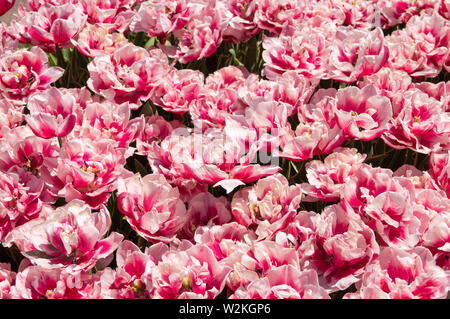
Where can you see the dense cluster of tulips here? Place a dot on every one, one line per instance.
(225, 149)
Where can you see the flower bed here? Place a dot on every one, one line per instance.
(265, 149)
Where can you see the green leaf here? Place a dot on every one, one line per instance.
(150, 43)
(237, 62)
(140, 39)
(52, 60)
(67, 55)
(147, 109)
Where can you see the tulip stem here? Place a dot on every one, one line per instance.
(416, 158)
(289, 170)
(59, 56)
(295, 167)
(141, 243)
(297, 170)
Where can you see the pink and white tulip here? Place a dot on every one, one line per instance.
(128, 75)
(71, 237)
(24, 72)
(284, 282)
(51, 113)
(50, 26)
(152, 207)
(191, 273)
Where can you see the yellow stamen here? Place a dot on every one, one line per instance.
(49, 294)
(255, 210)
(187, 282)
(94, 170)
(137, 286)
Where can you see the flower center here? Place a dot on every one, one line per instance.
(137, 286)
(49, 294)
(187, 282)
